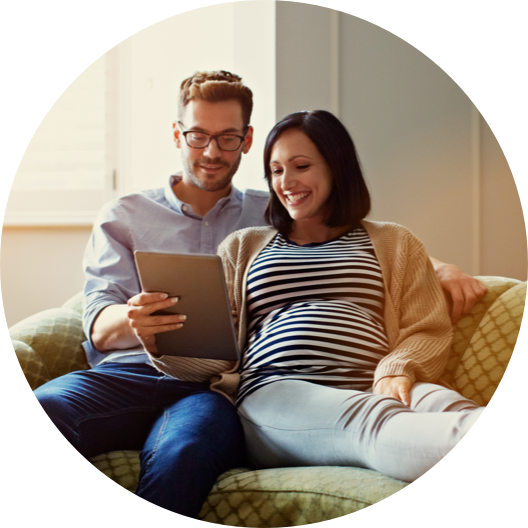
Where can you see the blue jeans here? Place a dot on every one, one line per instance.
(187, 434)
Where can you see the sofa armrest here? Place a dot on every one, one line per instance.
(54, 342)
(468, 324)
(34, 368)
(483, 363)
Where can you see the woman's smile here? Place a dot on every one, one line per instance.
(297, 198)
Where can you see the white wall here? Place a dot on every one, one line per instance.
(40, 268)
(502, 232)
(413, 129)
(432, 164)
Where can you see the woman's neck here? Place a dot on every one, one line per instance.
(303, 233)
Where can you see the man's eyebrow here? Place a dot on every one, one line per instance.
(231, 130)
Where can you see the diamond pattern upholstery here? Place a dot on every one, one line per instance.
(48, 345)
(484, 361)
(273, 497)
(55, 336)
(294, 496)
(121, 466)
(466, 326)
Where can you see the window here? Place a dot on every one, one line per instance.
(110, 133)
(61, 178)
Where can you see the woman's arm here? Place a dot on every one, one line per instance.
(418, 325)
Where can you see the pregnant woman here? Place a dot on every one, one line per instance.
(343, 325)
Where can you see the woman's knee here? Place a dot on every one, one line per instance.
(429, 397)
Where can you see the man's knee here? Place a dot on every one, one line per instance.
(203, 427)
(52, 399)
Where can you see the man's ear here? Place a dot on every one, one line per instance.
(177, 134)
(248, 141)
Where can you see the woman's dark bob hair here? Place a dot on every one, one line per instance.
(349, 201)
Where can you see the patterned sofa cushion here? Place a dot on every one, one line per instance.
(466, 326)
(484, 361)
(49, 343)
(273, 497)
(295, 496)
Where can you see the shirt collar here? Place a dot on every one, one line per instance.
(234, 197)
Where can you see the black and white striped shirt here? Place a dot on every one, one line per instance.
(315, 313)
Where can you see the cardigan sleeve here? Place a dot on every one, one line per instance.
(238, 252)
(420, 332)
(227, 252)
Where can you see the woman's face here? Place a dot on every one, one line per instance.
(300, 176)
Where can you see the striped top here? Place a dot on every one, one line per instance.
(315, 313)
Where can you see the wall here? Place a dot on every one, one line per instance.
(502, 231)
(431, 161)
(413, 129)
(40, 268)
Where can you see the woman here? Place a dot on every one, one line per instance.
(343, 324)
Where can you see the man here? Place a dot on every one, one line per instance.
(187, 434)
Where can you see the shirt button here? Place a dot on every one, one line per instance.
(206, 224)
(184, 208)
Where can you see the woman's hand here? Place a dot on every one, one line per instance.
(398, 387)
(145, 325)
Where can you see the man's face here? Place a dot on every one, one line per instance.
(209, 168)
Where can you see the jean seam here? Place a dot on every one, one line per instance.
(148, 465)
(80, 421)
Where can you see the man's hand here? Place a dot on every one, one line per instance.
(462, 291)
(145, 325)
(395, 386)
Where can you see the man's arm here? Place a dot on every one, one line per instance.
(462, 291)
(112, 331)
(116, 315)
(121, 326)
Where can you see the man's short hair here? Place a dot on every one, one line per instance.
(214, 87)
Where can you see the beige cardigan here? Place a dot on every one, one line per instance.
(417, 323)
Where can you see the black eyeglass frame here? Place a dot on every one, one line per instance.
(211, 137)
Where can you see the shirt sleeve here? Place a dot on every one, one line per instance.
(109, 267)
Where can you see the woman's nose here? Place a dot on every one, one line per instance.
(288, 180)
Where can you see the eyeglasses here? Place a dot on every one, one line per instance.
(200, 140)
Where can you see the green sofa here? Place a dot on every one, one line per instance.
(48, 345)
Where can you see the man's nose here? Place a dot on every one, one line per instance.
(212, 149)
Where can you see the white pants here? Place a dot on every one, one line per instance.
(297, 423)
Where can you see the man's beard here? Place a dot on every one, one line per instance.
(211, 184)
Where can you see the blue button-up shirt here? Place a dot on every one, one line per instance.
(153, 220)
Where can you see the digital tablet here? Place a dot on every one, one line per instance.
(198, 281)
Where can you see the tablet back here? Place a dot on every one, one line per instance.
(198, 281)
